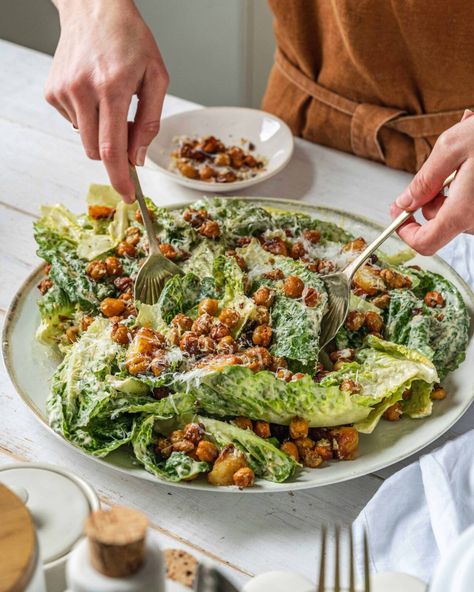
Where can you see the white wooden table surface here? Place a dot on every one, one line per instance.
(42, 162)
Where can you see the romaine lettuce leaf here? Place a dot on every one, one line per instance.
(265, 459)
(54, 307)
(439, 333)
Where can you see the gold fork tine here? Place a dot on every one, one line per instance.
(366, 564)
(322, 562)
(352, 587)
(337, 581)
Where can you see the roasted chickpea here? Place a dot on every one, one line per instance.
(126, 250)
(133, 235)
(195, 217)
(244, 423)
(438, 393)
(229, 317)
(183, 446)
(345, 442)
(244, 477)
(350, 386)
(173, 336)
(123, 284)
(138, 215)
(395, 280)
(229, 461)
(312, 236)
(311, 297)
(209, 305)
(324, 449)
(147, 340)
(220, 361)
(262, 335)
(325, 266)
(45, 285)
(260, 354)
(346, 354)
(218, 331)
(297, 250)
(112, 307)
(182, 321)
(210, 229)
(290, 449)
(264, 296)
(194, 432)
(261, 315)
(227, 345)
(284, 374)
(163, 447)
(168, 251)
(262, 429)
(203, 324)
(312, 459)
(187, 170)
(304, 444)
(100, 212)
(159, 364)
(120, 334)
(297, 376)
(96, 270)
(207, 173)
(278, 362)
(357, 244)
(394, 412)
(72, 333)
(274, 275)
(434, 299)
(86, 322)
(206, 344)
(189, 343)
(276, 246)
(206, 451)
(227, 177)
(355, 320)
(222, 159)
(299, 428)
(293, 287)
(137, 363)
(367, 280)
(382, 301)
(176, 436)
(113, 265)
(373, 322)
(250, 161)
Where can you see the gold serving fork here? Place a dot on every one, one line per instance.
(338, 285)
(156, 269)
(335, 586)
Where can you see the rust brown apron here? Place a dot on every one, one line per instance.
(378, 78)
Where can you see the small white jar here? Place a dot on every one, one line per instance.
(59, 503)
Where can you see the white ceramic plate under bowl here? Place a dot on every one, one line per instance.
(30, 366)
(272, 138)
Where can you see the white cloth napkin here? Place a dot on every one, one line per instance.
(417, 513)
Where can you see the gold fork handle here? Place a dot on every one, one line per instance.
(350, 270)
(147, 221)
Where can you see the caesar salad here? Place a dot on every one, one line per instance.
(223, 377)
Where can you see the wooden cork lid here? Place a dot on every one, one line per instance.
(18, 553)
(117, 540)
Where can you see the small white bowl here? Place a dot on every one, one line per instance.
(272, 138)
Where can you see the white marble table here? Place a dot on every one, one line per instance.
(42, 162)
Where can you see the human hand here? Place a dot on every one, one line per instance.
(446, 217)
(105, 55)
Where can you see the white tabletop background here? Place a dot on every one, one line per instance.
(42, 161)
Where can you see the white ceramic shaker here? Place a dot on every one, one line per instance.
(118, 555)
(59, 502)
